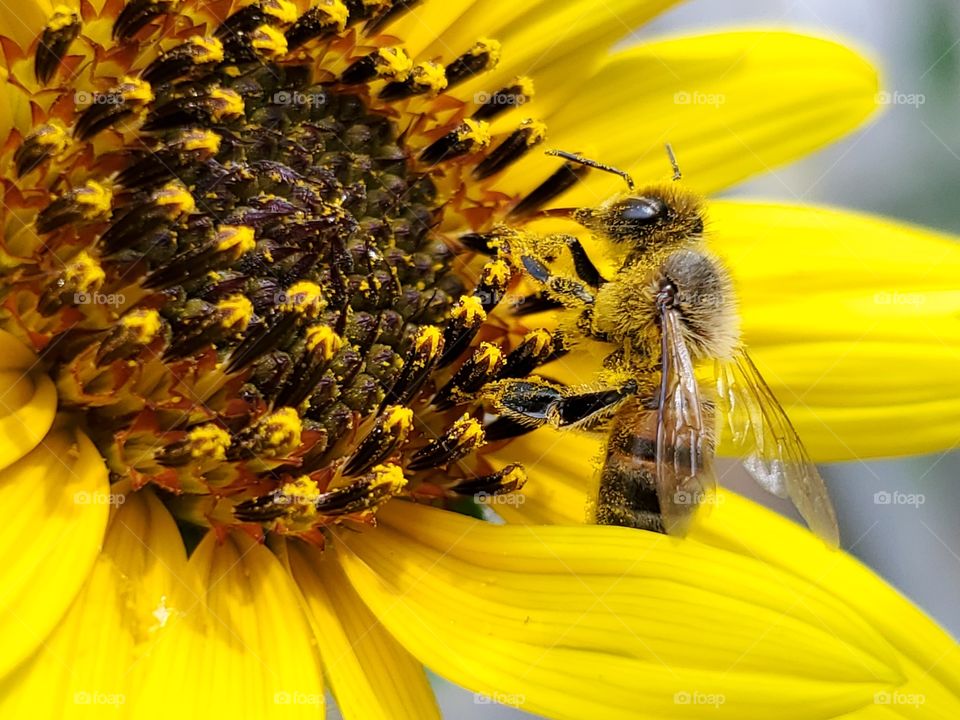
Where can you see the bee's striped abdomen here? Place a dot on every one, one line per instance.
(628, 482)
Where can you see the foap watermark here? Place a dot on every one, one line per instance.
(85, 497)
(96, 697)
(512, 498)
(96, 298)
(696, 97)
(296, 98)
(86, 97)
(895, 697)
(507, 99)
(895, 297)
(696, 697)
(899, 498)
(499, 698)
(895, 97)
(297, 697)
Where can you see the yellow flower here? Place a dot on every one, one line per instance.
(245, 325)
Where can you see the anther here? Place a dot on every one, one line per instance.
(465, 320)
(117, 104)
(186, 148)
(321, 344)
(427, 78)
(88, 203)
(530, 134)
(510, 479)
(228, 244)
(199, 105)
(47, 141)
(55, 40)
(511, 96)
(483, 56)
(201, 324)
(389, 430)
(203, 443)
(392, 63)
(135, 331)
(79, 279)
(460, 439)
(534, 350)
(162, 208)
(323, 20)
(196, 53)
(483, 366)
(396, 10)
(419, 362)
(467, 137)
(274, 435)
(558, 183)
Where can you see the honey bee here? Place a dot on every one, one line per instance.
(669, 310)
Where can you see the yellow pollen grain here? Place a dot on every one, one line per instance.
(144, 325)
(489, 354)
(176, 197)
(399, 420)
(323, 340)
(525, 84)
(470, 311)
(52, 134)
(302, 495)
(201, 140)
(337, 11)
(95, 200)
(269, 41)
(540, 338)
(429, 337)
(84, 273)
(388, 475)
(394, 63)
(497, 272)
(489, 47)
(537, 131)
(304, 298)
(475, 131)
(62, 17)
(135, 91)
(430, 75)
(208, 442)
(235, 312)
(226, 103)
(280, 430)
(210, 49)
(284, 11)
(468, 431)
(239, 238)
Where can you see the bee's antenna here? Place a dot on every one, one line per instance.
(594, 164)
(673, 163)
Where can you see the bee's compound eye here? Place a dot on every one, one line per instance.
(642, 210)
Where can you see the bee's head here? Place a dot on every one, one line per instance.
(657, 218)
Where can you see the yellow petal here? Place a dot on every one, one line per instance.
(90, 663)
(240, 649)
(56, 500)
(371, 675)
(598, 621)
(28, 400)
(854, 322)
(932, 658)
(24, 21)
(732, 104)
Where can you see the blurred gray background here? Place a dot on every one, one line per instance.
(906, 165)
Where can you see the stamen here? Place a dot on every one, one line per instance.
(47, 141)
(275, 435)
(530, 134)
(428, 78)
(324, 20)
(135, 331)
(479, 369)
(423, 356)
(469, 136)
(120, 103)
(160, 210)
(88, 203)
(136, 14)
(208, 443)
(61, 30)
(196, 53)
(393, 63)
(507, 98)
(389, 430)
(465, 320)
(535, 349)
(397, 9)
(483, 56)
(508, 480)
(554, 186)
(462, 438)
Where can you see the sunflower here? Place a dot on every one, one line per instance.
(249, 304)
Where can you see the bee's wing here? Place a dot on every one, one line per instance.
(769, 445)
(684, 455)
